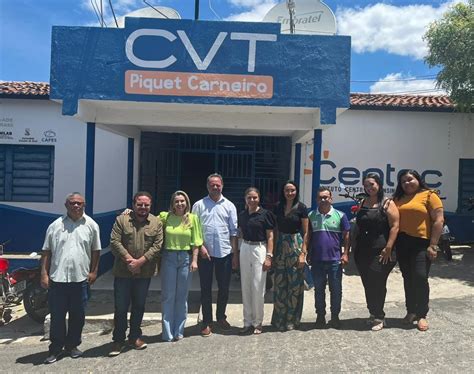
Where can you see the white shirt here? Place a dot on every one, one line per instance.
(71, 244)
(219, 223)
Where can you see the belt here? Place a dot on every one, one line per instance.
(254, 243)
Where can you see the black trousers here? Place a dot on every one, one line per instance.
(415, 267)
(374, 277)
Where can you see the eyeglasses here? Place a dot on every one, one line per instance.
(143, 205)
(78, 203)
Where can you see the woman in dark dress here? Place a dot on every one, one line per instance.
(289, 260)
(377, 221)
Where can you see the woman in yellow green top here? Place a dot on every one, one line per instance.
(183, 237)
(421, 224)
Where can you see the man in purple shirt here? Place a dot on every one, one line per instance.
(328, 228)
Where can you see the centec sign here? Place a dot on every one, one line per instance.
(202, 62)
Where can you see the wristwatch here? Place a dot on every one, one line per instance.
(434, 247)
(269, 254)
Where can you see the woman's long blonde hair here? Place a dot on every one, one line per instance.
(185, 221)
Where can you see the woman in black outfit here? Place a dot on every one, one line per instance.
(377, 221)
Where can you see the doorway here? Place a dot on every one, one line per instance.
(170, 161)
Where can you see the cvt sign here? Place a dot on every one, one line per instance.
(251, 38)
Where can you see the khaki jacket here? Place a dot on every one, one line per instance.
(137, 239)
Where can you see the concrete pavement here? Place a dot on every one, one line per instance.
(446, 346)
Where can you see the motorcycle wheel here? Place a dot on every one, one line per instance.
(446, 248)
(35, 300)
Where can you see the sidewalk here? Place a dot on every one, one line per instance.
(447, 279)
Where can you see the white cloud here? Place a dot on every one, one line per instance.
(258, 9)
(397, 30)
(398, 84)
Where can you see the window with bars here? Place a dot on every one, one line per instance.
(26, 173)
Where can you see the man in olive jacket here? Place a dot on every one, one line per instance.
(136, 243)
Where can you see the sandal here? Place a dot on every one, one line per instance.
(258, 330)
(409, 319)
(422, 324)
(378, 324)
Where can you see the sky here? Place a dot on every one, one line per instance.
(387, 46)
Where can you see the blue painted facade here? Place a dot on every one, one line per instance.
(307, 70)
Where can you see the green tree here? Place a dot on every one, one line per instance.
(451, 46)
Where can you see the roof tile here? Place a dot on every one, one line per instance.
(358, 100)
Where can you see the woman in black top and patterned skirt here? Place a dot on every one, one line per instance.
(256, 251)
(289, 260)
(377, 222)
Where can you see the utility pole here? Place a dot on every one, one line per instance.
(196, 9)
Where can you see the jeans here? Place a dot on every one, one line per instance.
(65, 298)
(324, 271)
(126, 291)
(415, 267)
(175, 281)
(223, 269)
(374, 275)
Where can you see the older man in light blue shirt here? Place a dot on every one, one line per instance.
(219, 224)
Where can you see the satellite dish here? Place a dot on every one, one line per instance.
(312, 17)
(149, 12)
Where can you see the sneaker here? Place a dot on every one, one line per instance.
(223, 324)
(138, 344)
(52, 358)
(206, 331)
(335, 322)
(178, 338)
(74, 352)
(117, 348)
(246, 330)
(290, 327)
(320, 322)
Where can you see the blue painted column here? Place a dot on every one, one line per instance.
(297, 173)
(317, 148)
(90, 161)
(131, 148)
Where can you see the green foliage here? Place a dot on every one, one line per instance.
(451, 46)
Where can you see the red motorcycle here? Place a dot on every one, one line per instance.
(21, 285)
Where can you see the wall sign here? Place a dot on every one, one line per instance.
(202, 62)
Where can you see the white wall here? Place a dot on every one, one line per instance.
(402, 139)
(36, 117)
(110, 176)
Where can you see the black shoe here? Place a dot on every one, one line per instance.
(335, 322)
(52, 358)
(320, 322)
(74, 352)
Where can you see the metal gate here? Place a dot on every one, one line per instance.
(183, 161)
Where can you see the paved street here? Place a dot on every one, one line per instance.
(447, 346)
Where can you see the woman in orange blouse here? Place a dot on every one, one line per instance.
(421, 223)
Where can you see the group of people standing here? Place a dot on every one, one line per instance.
(206, 239)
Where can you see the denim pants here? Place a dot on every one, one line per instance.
(327, 272)
(415, 267)
(65, 298)
(223, 270)
(175, 281)
(129, 291)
